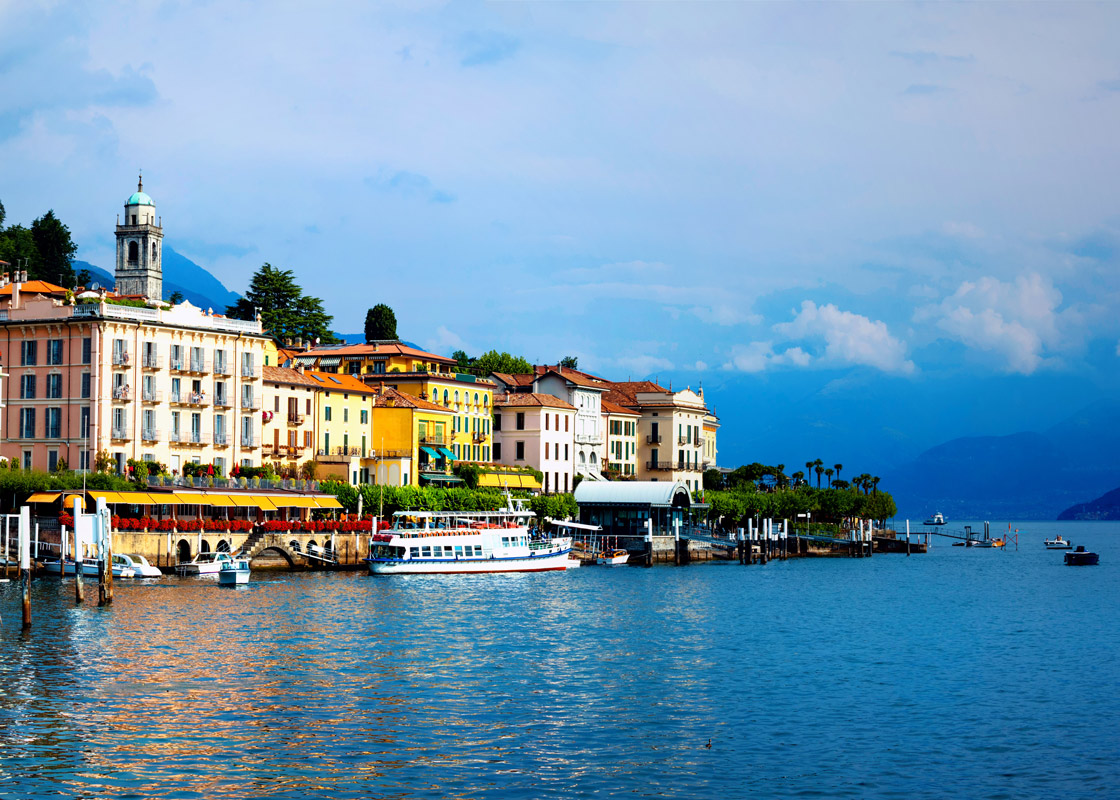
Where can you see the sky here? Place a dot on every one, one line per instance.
(899, 218)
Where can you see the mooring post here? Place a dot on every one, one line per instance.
(7, 546)
(105, 566)
(907, 537)
(77, 553)
(25, 562)
(763, 540)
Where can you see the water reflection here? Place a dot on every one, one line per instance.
(593, 682)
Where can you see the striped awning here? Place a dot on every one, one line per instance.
(328, 502)
(330, 361)
(108, 497)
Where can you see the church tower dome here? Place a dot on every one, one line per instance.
(139, 269)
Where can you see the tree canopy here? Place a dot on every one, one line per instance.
(45, 249)
(570, 362)
(286, 312)
(381, 323)
(492, 361)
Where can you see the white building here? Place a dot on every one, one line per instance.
(537, 430)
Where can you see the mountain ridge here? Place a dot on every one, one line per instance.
(196, 283)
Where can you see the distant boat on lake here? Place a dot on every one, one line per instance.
(936, 519)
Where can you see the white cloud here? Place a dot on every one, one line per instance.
(1019, 322)
(640, 366)
(700, 366)
(757, 356)
(849, 338)
(725, 315)
(445, 341)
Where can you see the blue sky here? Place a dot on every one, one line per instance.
(777, 200)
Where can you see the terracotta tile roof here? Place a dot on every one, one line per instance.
(614, 408)
(574, 375)
(514, 380)
(34, 287)
(625, 393)
(292, 377)
(388, 397)
(338, 383)
(383, 349)
(527, 399)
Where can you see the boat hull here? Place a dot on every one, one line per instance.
(1082, 559)
(547, 563)
(612, 561)
(233, 577)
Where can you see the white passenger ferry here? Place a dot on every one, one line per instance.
(443, 542)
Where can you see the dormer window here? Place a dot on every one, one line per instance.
(133, 219)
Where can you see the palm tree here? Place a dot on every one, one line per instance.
(828, 474)
(838, 468)
(798, 477)
(875, 484)
(817, 468)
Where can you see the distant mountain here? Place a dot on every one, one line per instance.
(1105, 507)
(1021, 476)
(179, 274)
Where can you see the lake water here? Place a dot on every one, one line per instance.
(961, 673)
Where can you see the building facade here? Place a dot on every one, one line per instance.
(537, 430)
(621, 451)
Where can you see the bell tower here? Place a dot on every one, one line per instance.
(140, 247)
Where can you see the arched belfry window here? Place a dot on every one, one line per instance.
(154, 252)
(133, 253)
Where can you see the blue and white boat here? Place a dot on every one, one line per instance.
(234, 573)
(453, 542)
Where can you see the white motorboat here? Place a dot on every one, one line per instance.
(1058, 543)
(234, 572)
(140, 566)
(936, 519)
(122, 567)
(204, 564)
(613, 558)
(453, 542)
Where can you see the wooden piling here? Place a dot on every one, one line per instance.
(25, 562)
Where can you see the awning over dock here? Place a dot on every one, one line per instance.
(633, 508)
(265, 502)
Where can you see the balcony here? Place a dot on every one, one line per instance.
(152, 396)
(121, 432)
(653, 438)
(151, 361)
(177, 365)
(295, 419)
(121, 359)
(252, 403)
(121, 394)
(338, 454)
(250, 442)
(195, 399)
(686, 467)
(222, 401)
(222, 368)
(150, 434)
(587, 438)
(478, 436)
(189, 437)
(433, 439)
(284, 450)
(251, 371)
(199, 366)
(176, 399)
(659, 466)
(221, 439)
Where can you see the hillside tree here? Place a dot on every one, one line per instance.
(381, 323)
(56, 250)
(285, 311)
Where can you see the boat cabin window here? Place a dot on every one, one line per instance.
(458, 551)
(414, 552)
(427, 552)
(478, 550)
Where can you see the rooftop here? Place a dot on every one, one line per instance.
(373, 350)
(388, 397)
(529, 399)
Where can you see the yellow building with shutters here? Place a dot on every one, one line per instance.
(343, 427)
(412, 440)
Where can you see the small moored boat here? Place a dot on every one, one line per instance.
(936, 519)
(613, 558)
(139, 565)
(1082, 558)
(234, 572)
(1058, 543)
(204, 564)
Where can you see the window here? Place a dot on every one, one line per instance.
(52, 460)
(308, 411)
(365, 416)
(345, 414)
(276, 404)
(520, 420)
(27, 459)
(54, 386)
(327, 413)
(54, 423)
(27, 387)
(54, 352)
(87, 350)
(546, 422)
(497, 421)
(497, 451)
(83, 423)
(546, 448)
(566, 421)
(27, 354)
(565, 452)
(27, 423)
(520, 451)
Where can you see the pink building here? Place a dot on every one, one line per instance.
(538, 431)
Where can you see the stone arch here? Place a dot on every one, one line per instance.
(594, 458)
(294, 546)
(133, 252)
(223, 546)
(155, 256)
(274, 551)
(183, 550)
(582, 458)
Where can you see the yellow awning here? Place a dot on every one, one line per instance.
(108, 497)
(292, 501)
(265, 504)
(328, 502)
(244, 500)
(137, 498)
(190, 498)
(44, 497)
(218, 500)
(161, 498)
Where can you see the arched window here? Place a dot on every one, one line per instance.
(133, 253)
(486, 400)
(153, 252)
(446, 401)
(476, 399)
(456, 397)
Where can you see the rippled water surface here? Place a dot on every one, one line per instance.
(961, 673)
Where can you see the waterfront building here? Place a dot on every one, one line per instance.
(343, 427)
(584, 393)
(537, 430)
(412, 440)
(670, 430)
(708, 448)
(621, 451)
(426, 376)
(288, 421)
(631, 509)
(130, 379)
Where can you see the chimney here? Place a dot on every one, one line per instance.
(15, 289)
(3, 280)
(375, 347)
